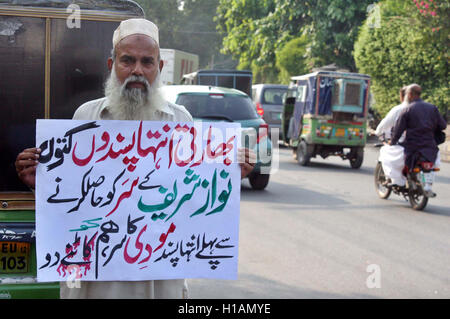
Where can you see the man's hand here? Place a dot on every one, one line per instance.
(247, 160)
(26, 163)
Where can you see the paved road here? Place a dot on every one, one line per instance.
(316, 231)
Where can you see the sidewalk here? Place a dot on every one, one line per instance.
(445, 147)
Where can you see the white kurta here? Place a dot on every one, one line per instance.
(386, 124)
(166, 289)
(392, 158)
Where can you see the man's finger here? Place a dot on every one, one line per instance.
(27, 155)
(27, 171)
(25, 163)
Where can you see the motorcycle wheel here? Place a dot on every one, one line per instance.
(417, 199)
(382, 191)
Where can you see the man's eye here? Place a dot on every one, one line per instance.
(147, 61)
(126, 60)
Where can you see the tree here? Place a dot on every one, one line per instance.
(255, 30)
(189, 26)
(165, 14)
(334, 29)
(404, 50)
(291, 59)
(239, 21)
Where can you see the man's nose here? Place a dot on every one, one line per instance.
(138, 69)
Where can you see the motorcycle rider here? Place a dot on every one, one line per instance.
(420, 120)
(392, 156)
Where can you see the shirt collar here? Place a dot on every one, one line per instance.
(166, 108)
(105, 114)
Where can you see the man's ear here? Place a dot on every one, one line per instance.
(110, 64)
(161, 65)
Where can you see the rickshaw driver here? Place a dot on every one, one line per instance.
(130, 93)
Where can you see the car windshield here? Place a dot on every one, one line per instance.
(220, 106)
(274, 95)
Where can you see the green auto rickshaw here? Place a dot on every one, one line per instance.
(325, 113)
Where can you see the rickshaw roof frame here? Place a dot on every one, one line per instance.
(333, 74)
(41, 11)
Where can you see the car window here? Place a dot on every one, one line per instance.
(234, 107)
(274, 95)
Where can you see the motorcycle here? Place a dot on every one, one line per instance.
(418, 187)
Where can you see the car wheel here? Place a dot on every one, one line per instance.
(259, 181)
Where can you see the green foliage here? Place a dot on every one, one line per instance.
(255, 30)
(291, 59)
(165, 14)
(402, 51)
(191, 29)
(334, 29)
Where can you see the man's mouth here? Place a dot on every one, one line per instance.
(136, 85)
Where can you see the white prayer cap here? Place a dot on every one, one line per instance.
(135, 26)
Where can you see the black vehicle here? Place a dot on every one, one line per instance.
(52, 60)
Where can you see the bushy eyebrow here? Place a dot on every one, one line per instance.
(132, 58)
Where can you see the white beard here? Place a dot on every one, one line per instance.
(406, 99)
(134, 103)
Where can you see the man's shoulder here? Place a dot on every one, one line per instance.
(90, 109)
(422, 103)
(398, 108)
(180, 112)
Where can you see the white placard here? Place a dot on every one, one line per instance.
(130, 200)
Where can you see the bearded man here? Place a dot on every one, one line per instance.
(420, 120)
(131, 93)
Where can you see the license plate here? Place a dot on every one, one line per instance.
(340, 132)
(14, 257)
(428, 178)
(276, 116)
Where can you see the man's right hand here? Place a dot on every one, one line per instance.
(26, 163)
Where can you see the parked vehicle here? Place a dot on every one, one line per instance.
(236, 79)
(268, 99)
(49, 67)
(325, 113)
(418, 188)
(176, 64)
(207, 103)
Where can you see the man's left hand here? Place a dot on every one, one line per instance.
(247, 160)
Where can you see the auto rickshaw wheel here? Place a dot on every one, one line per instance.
(304, 153)
(357, 159)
